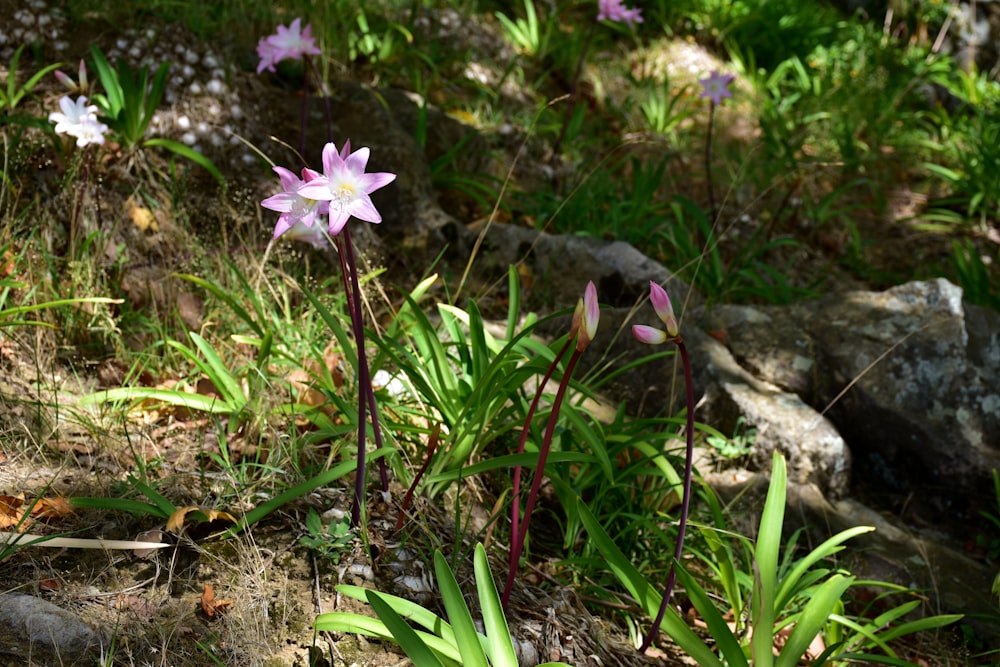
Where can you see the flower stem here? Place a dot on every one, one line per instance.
(517, 545)
(366, 395)
(515, 514)
(686, 498)
(708, 161)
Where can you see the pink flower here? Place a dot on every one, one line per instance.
(346, 186)
(661, 304)
(298, 213)
(290, 43)
(615, 10)
(587, 314)
(72, 85)
(716, 86)
(78, 119)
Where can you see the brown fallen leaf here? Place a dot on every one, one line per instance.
(51, 508)
(213, 608)
(176, 521)
(12, 513)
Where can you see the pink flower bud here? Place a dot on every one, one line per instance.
(661, 304)
(650, 335)
(589, 311)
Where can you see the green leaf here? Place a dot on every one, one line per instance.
(207, 404)
(466, 637)
(408, 640)
(643, 593)
(219, 374)
(790, 582)
(185, 151)
(499, 645)
(766, 566)
(817, 612)
(718, 628)
(109, 79)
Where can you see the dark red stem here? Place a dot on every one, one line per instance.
(686, 498)
(518, 537)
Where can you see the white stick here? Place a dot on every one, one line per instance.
(26, 540)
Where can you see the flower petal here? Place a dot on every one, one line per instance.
(650, 335)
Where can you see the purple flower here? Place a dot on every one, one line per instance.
(615, 10)
(78, 119)
(346, 186)
(290, 43)
(298, 213)
(716, 86)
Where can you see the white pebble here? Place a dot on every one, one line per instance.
(187, 71)
(236, 111)
(195, 88)
(183, 122)
(248, 158)
(202, 128)
(191, 57)
(216, 87)
(189, 138)
(210, 61)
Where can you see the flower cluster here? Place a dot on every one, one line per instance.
(615, 10)
(661, 304)
(290, 43)
(78, 119)
(343, 190)
(716, 86)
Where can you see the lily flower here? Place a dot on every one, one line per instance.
(289, 43)
(346, 186)
(615, 10)
(298, 213)
(78, 119)
(716, 86)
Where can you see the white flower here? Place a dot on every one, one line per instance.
(78, 119)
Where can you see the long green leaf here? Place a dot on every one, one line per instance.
(766, 566)
(186, 151)
(500, 647)
(790, 582)
(219, 373)
(338, 621)
(640, 589)
(323, 479)
(718, 628)
(109, 79)
(466, 637)
(812, 619)
(408, 640)
(199, 402)
(408, 610)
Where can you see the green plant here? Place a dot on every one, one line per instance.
(793, 595)
(745, 276)
(529, 34)
(12, 96)
(129, 101)
(740, 444)
(977, 279)
(661, 113)
(472, 381)
(330, 540)
(440, 643)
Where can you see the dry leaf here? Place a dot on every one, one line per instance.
(213, 608)
(52, 508)
(142, 217)
(49, 585)
(148, 536)
(176, 520)
(12, 513)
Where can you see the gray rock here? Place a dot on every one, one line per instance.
(34, 628)
(911, 377)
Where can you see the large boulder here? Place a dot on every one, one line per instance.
(910, 377)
